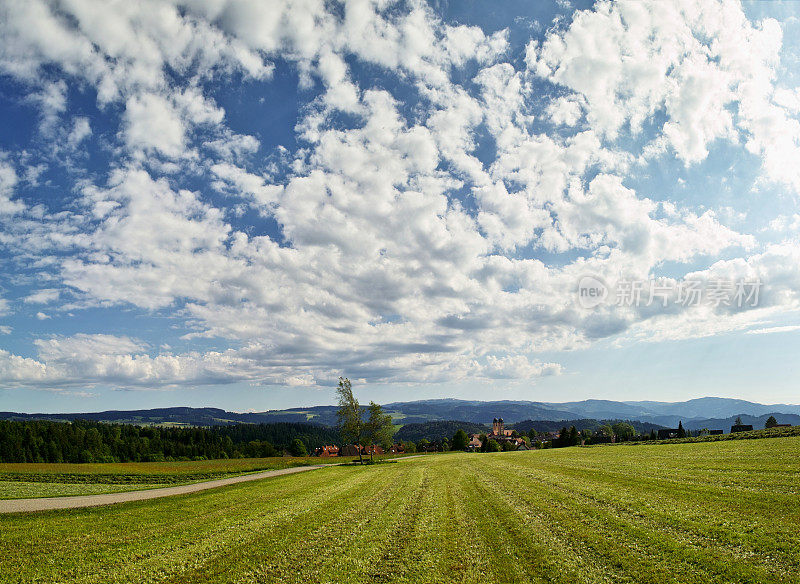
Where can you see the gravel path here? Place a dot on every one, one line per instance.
(48, 503)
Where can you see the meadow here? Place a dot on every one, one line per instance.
(29, 480)
(710, 512)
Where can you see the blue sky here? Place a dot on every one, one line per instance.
(232, 203)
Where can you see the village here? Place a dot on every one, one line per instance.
(505, 438)
(500, 438)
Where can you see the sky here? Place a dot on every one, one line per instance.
(232, 203)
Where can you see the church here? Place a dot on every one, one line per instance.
(499, 434)
(498, 429)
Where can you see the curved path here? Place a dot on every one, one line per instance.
(48, 503)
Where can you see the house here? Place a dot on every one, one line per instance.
(715, 432)
(350, 450)
(517, 443)
(375, 449)
(546, 437)
(474, 442)
(326, 451)
(667, 433)
(741, 428)
(782, 426)
(430, 447)
(397, 448)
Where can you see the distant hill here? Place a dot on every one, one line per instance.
(321, 415)
(696, 413)
(480, 412)
(582, 424)
(437, 430)
(756, 421)
(669, 413)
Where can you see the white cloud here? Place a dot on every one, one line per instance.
(518, 367)
(153, 124)
(8, 181)
(774, 329)
(428, 243)
(703, 64)
(81, 130)
(44, 296)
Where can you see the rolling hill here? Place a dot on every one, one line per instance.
(697, 413)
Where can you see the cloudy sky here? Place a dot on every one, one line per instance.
(233, 202)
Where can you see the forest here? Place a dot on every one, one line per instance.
(87, 441)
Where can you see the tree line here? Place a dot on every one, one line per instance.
(86, 441)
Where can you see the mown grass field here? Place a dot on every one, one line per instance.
(24, 480)
(711, 512)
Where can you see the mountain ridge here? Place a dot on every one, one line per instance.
(707, 410)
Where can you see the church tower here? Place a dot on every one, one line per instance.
(497, 427)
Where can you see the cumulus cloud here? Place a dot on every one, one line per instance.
(704, 66)
(153, 124)
(429, 220)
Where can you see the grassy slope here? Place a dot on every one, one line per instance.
(714, 512)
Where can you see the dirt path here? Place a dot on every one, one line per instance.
(48, 503)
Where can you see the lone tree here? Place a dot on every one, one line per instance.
(771, 422)
(378, 428)
(738, 421)
(351, 426)
(460, 440)
(681, 431)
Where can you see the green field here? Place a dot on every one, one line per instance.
(34, 489)
(30, 480)
(711, 512)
